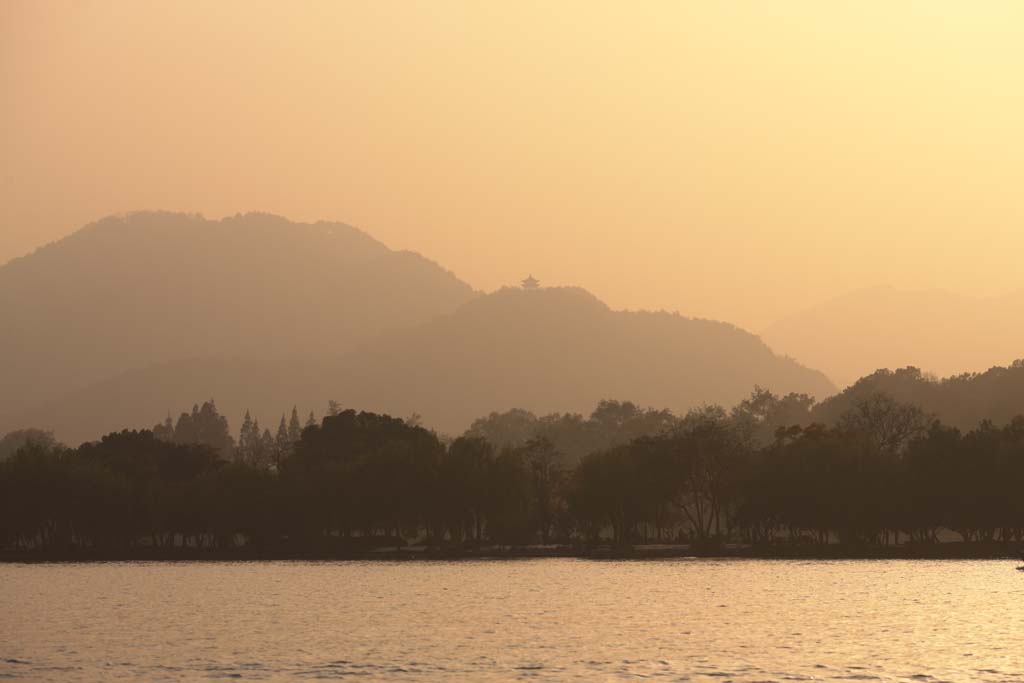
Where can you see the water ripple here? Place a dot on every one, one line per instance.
(547, 620)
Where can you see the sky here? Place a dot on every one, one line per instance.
(737, 161)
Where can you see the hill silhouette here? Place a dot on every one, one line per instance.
(547, 350)
(128, 292)
(562, 349)
(883, 327)
(960, 401)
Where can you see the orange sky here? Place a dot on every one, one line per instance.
(730, 160)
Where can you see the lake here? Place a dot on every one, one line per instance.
(544, 619)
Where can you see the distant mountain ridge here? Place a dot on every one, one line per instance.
(147, 288)
(562, 349)
(548, 350)
(940, 332)
(137, 315)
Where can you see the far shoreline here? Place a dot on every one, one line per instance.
(933, 551)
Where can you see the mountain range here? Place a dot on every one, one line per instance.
(139, 315)
(149, 288)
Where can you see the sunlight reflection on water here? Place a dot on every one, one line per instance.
(549, 619)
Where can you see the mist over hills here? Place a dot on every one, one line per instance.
(137, 316)
(562, 349)
(131, 291)
(940, 332)
(548, 350)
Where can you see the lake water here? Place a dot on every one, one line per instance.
(548, 619)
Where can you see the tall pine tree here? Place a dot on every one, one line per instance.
(165, 430)
(265, 452)
(294, 428)
(283, 445)
(247, 438)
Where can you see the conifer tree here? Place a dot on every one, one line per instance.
(294, 428)
(211, 428)
(282, 444)
(246, 439)
(265, 452)
(185, 429)
(202, 426)
(165, 430)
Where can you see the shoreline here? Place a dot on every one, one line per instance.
(939, 551)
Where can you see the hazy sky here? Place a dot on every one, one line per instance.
(731, 160)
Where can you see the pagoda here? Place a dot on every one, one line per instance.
(530, 283)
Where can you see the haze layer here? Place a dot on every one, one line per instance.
(734, 163)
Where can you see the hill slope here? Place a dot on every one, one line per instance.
(962, 401)
(562, 349)
(154, 288)
(546, 350)
(937, 331)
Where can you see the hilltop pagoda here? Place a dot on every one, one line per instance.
(531, 283)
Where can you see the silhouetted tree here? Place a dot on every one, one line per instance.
(265, 456)
(763, 413)
(248, 439)
(707, 454)
(365, 472)
(283, 444)
(606, 492)
(14, 441)
(294, 428)
(887, 424)
(505, 430)
(545, 478)
(574, 436)
(165, 430)
(204, 425)
(360, 480)
(462, 486)
(509, 499)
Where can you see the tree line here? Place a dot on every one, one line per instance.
(762, 473)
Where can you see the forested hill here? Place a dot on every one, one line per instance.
(131, 291)
(960, 401)
(562, 349)
(546, 350)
